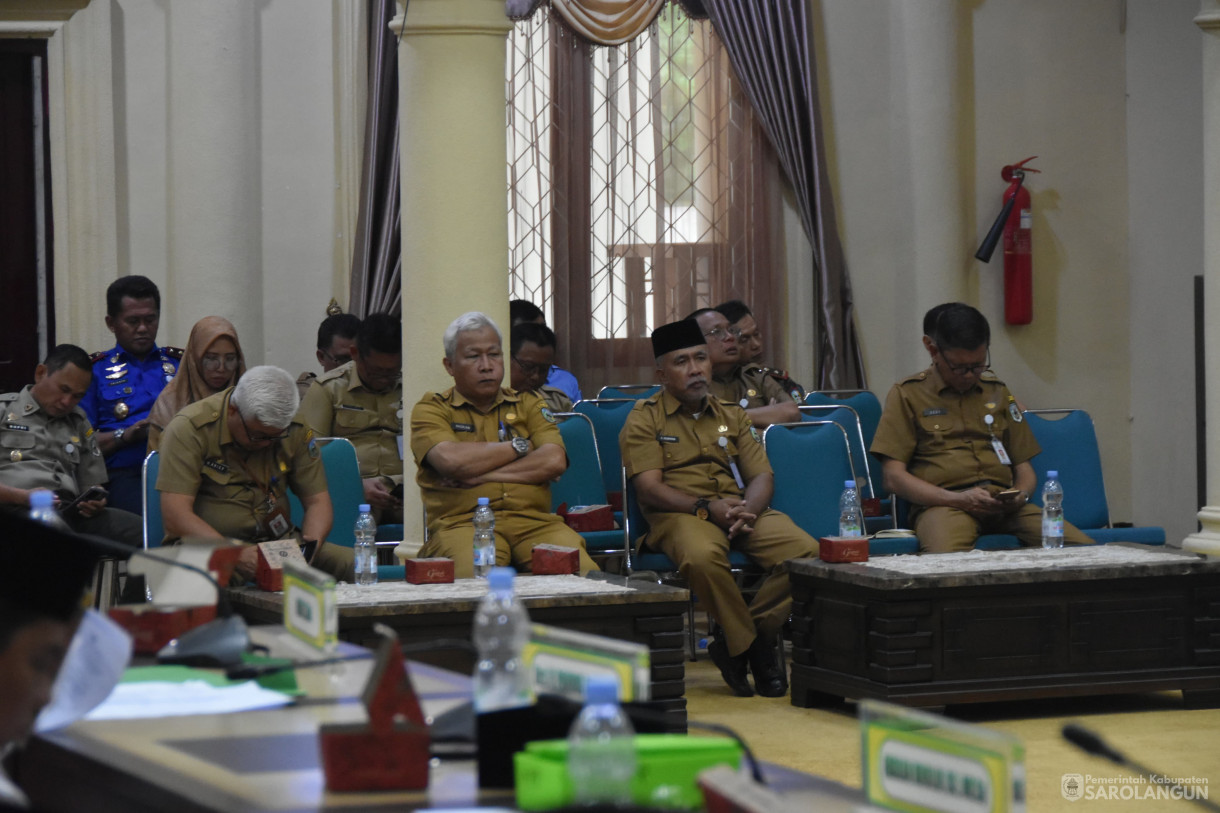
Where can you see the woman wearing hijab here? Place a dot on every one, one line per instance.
(211, 362)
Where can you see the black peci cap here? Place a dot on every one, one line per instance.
(46, 571)
(676, 336)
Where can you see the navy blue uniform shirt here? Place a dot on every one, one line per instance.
(123, 391)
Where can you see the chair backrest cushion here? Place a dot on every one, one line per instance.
(608, 417)
(345, 486)
(811, 463)
(154, 527)
(1069, 446)
(581, 483)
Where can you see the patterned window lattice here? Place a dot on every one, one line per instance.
(659, 106)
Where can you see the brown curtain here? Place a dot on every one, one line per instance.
(376, 282)
(631, 249)
(770, 45)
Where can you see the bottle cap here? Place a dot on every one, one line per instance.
(364, 507)
(601, 689)
(42, 498)
(849, 484)
(484, 501)
(1052, 475)
(500, 579)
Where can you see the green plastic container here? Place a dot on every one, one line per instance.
(666, 768)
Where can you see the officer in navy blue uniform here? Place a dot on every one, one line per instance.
(126, 382)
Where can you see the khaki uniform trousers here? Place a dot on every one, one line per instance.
(700, 549)
(517, 532)
(950, 530)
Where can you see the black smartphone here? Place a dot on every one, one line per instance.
(89, 494)
(396, 492)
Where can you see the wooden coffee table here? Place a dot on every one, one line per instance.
(982, 626)
(626, 609)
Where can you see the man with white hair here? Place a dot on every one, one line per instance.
(228, 461)
(479, 439)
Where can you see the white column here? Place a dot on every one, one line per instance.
(213, 184)
(1208, 539)
(931, 60)
(454, 181)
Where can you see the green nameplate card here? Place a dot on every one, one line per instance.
(924, 763)
(559, 661)
(311, 611)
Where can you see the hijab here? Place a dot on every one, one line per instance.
(189, 386)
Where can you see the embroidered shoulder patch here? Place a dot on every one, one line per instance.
(1015, 413)
(546, 413)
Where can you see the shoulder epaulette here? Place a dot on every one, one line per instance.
(790, 386)
(98, 356)
(338, 372)
(9, 396)
(919, 376)
(173, 352)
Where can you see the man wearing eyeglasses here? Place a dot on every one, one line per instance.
(532, 349)
(228, 461)
(336, 335)
(362, 401)
(127, 379)
(761, 396)
(953, 443)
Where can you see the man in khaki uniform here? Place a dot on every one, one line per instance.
(760, 395)
(532, 349)
(228, 461)
(745, 329)
(336, 335)
(362, 401)
(704, 485)
(478, 439)
(46, 442)
(953, 443)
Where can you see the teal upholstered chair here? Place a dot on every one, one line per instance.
(581, 483)
(608, 416)
(633, 391)
(154, 528)
(1069, 446)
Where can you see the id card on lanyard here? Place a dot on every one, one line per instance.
(996, 443)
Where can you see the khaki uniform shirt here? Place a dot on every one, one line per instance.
(748, 387)
(39, 451)
(943, 437)
(556, 399)
(237, 491)
(659, 434)
(339, 405)
(304, 380)
(448, 416)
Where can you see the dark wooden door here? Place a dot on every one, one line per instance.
(25, 211)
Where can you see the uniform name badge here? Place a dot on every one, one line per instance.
(1000, 451)
(278, 524)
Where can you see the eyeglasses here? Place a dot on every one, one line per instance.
(214, 362)
(259, 437)
(531, 368)
(335, 360)
(720, 333)
(966, 369)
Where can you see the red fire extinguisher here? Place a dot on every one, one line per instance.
(1014, 223)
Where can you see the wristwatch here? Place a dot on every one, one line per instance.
(521, 446)
(700, 509)
(118, 434)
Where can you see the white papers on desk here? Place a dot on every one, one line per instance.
(99, 653)
(131, 701)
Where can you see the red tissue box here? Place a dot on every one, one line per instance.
(271, 556)
(555, 560)
(152, 626)
(616, 500)
(438, 570)
(587, 518)
(871, 506)
(843, 549)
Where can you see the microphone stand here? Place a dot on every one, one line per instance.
(1093, 744)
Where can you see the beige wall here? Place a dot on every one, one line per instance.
(1049, 79)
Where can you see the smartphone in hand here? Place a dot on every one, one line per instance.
(90, 494)
(1009, 496)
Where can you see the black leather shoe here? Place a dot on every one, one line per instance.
(769, 679)
(732, 669)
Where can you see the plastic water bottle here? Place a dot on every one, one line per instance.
(1052, 511)
(601, 746)
(366, 546)
(484, 539)
(851, 515)
(501, 629)
(42, 509)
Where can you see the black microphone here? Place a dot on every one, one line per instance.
(219, 642)
(1092, 743)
